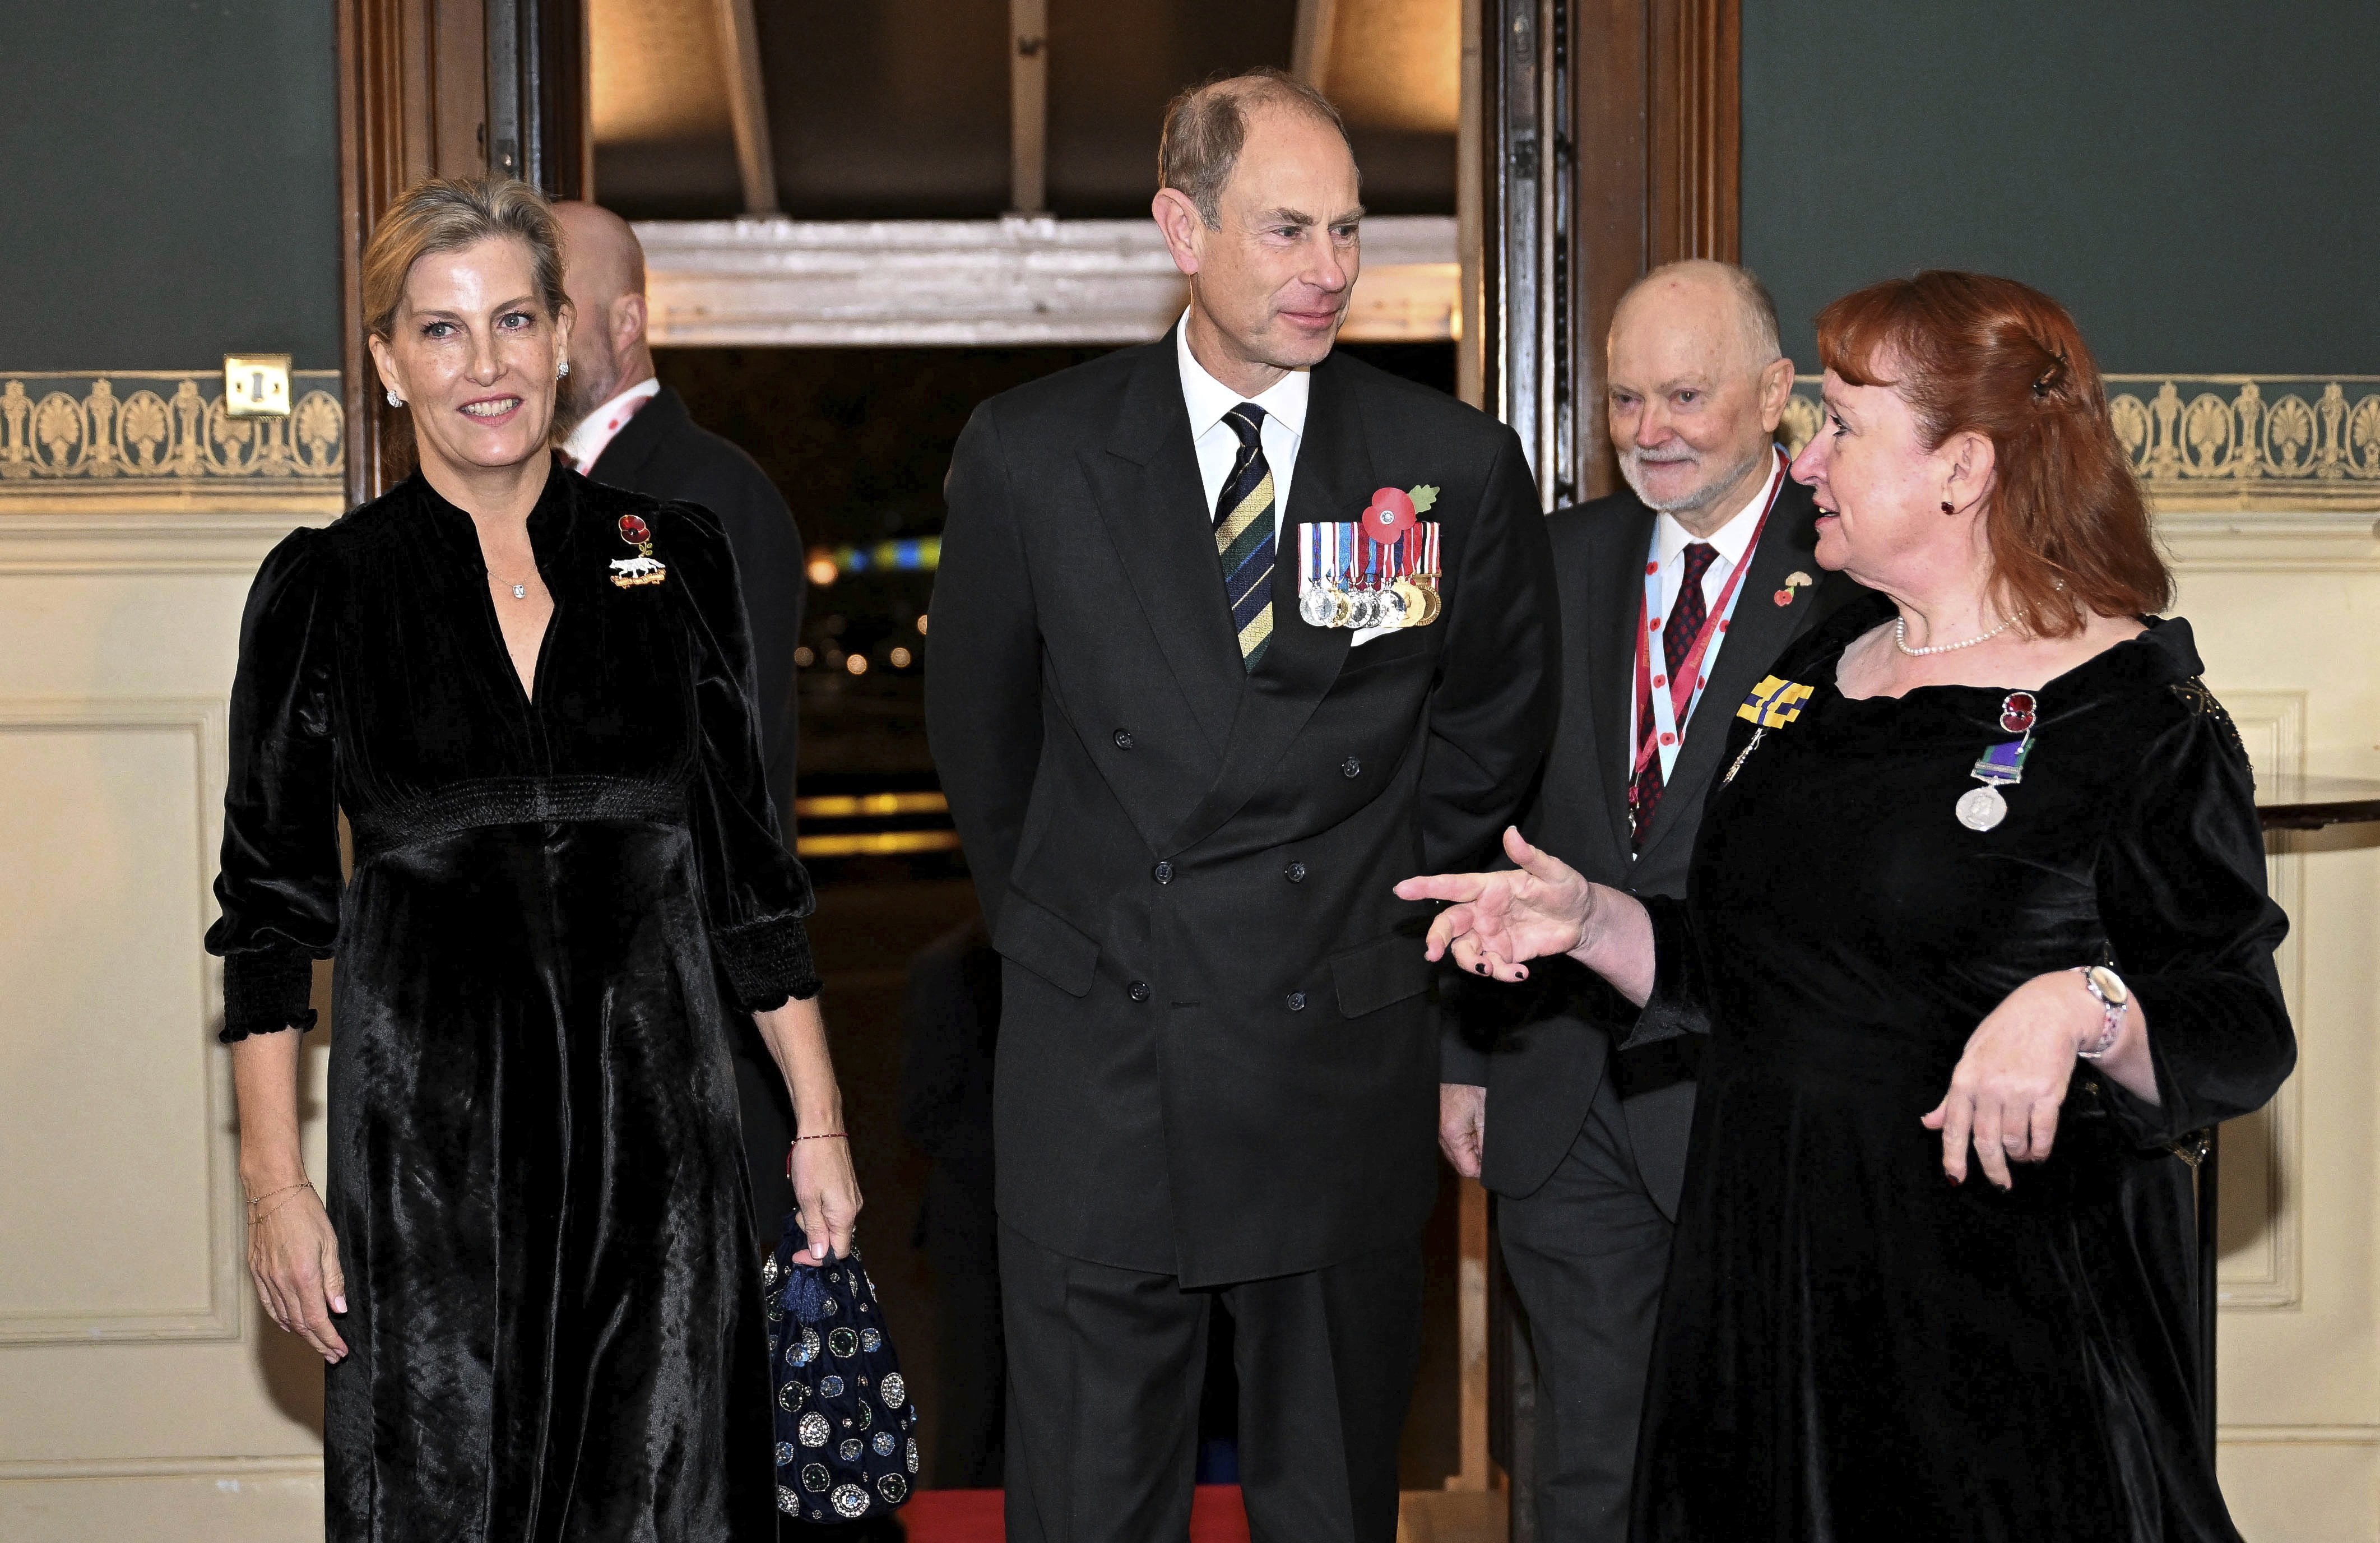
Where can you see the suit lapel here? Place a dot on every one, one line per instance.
(1756, 635)
(1333, 481)
(1617, 587)
(1145, 482)
(623, 460)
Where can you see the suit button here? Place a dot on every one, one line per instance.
(1294, 873)
(1297, 1002)
(1124, 739)
(1163, 873)
(1352, 767)
(1137, 990)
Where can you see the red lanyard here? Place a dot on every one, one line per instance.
(1685, 687)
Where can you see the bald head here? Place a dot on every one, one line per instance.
(1696, 385)
(603, 268)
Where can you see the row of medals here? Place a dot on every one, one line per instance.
(1400, 597)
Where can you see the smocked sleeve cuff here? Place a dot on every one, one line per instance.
(768, 962)
(266, 991)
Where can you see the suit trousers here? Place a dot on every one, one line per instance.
(1586, 1253)
(1105, 1367)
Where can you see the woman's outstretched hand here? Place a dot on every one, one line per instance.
(1500, 920)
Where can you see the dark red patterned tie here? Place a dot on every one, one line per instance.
(1683, 624)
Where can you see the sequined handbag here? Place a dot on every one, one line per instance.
(847, 1447)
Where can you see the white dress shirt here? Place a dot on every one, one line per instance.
(597, 430)
(1217, 443)
(1733, 541)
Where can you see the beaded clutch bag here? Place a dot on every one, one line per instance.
(846, 1443)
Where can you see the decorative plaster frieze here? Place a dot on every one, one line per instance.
(158, 439)
(2285, 443)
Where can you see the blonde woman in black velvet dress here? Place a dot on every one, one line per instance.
(533, 1274)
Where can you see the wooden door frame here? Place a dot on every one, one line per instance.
(1611, 144)
(415, 100)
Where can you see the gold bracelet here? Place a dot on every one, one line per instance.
(256, 1220)
(825, 1135)
(256, 1200)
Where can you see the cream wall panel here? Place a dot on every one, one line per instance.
(2287, 610)
(141, 1394)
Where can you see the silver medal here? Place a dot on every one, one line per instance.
(1981, 809)
(1319, 605)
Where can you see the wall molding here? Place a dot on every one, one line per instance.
(206, 720)
(114, 542)
(294, 1465)
(968, 283)
(157, 440)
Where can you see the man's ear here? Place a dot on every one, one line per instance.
(628, 319)
(1182, 225)
(1775, 388)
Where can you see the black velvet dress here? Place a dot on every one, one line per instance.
(1850, 1347)
(554, 1320)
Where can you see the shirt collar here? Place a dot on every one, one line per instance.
(1208, 398)
(596, 431)
(1732, 539)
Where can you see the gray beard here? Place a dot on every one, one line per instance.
(1698, 501)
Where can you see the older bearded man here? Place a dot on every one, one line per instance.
(1680, 590)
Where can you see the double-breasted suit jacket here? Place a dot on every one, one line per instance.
(1217, 1061)
(1551, 1038)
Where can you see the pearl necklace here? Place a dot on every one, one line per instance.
(1901, 638)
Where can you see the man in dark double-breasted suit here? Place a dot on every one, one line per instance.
(1185, 807)
(1711, 546)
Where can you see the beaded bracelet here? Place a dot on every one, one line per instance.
(824, 1136)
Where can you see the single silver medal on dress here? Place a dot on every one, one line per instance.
(1982, 808)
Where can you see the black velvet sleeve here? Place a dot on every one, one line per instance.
(1680, 1002)
(755, 891)
(279, 884)
(2181, 893)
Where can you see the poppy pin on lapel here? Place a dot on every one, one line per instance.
(1793, 582)
(643, 568)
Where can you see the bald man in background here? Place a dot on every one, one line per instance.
(638, 436)
(1586, 1144)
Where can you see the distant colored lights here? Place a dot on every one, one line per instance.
(921, 555)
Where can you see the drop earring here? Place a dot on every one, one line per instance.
(394, 399)
(561, 370)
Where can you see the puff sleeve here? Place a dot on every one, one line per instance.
(2180, 881)
(755, 891)
(279, 884)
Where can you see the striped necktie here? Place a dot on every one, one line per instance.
(1243, 535)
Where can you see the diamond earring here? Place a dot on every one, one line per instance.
(394, 399)
(561, 370)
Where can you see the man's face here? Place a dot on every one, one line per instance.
(1690, 407)
(1274, 280)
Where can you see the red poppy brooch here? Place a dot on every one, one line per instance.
(644, 567)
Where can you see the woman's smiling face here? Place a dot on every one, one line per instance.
(473, 351)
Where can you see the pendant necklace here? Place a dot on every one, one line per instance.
(2002, 765)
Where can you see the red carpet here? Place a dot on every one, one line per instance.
(1217, 1515)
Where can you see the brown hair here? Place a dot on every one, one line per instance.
(1972, 353)
(446, 214)
(1206, 125)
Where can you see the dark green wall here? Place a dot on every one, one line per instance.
(2198, 180)
(169, 183)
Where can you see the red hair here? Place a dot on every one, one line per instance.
(1970, 353)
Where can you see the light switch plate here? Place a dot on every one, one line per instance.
(256, 385)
